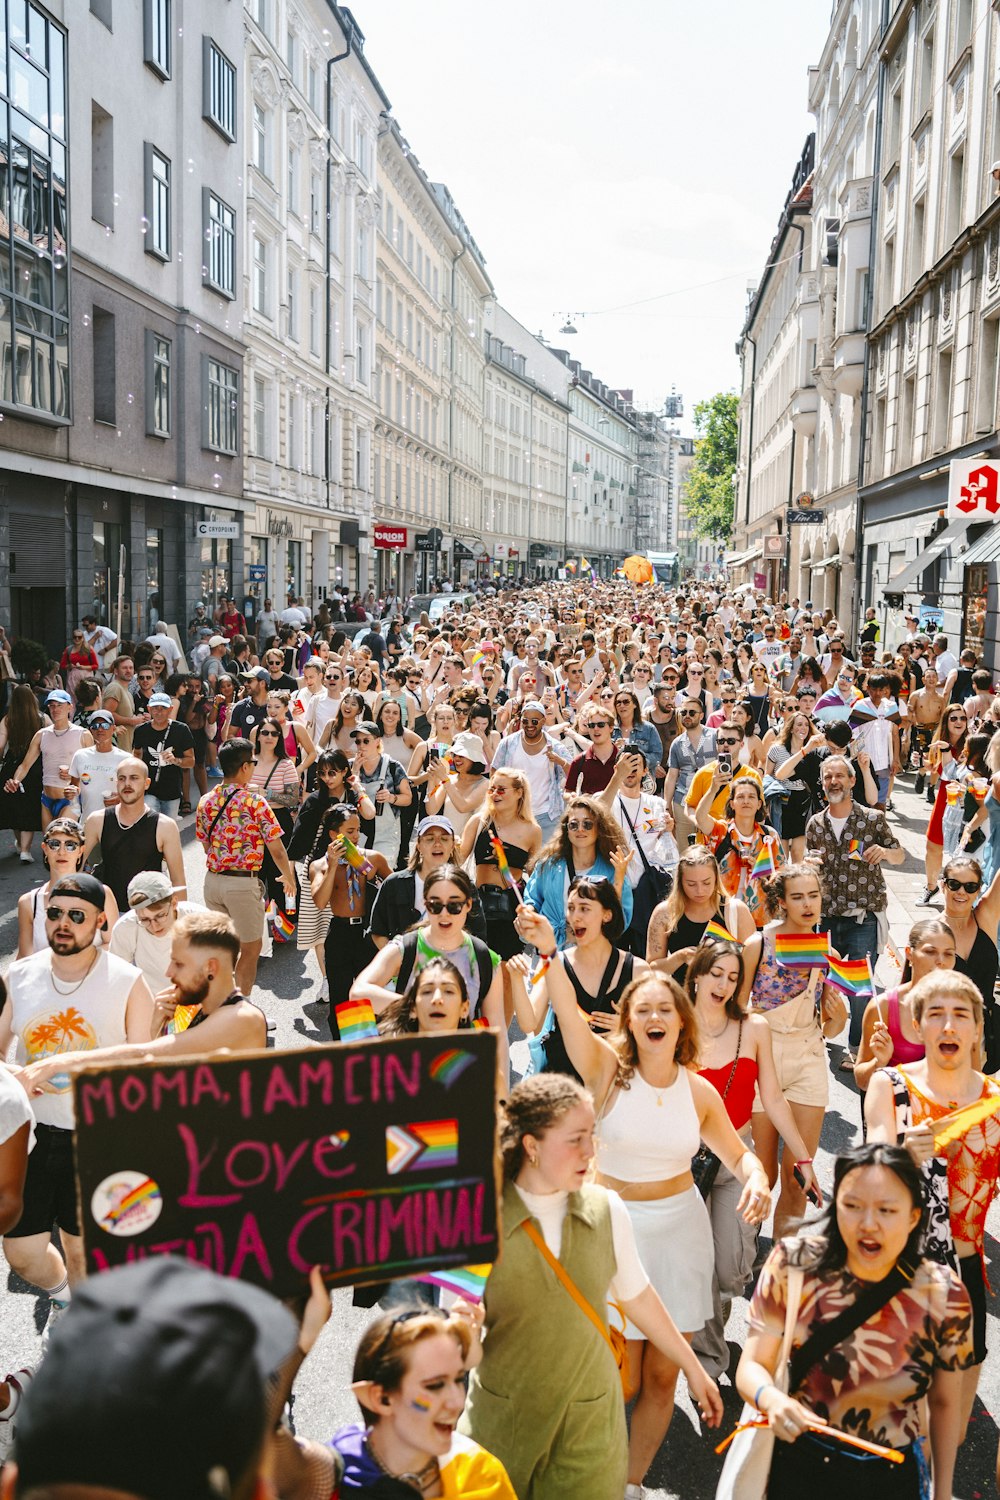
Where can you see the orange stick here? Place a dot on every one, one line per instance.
(891, 1454)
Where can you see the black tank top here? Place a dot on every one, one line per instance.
(556, 1056)
(687, 934)
(127, 851)
(485, 854)
(980, 966)
(234, 999)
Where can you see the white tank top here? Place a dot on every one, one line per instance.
(58, 748)
(648, 1134)
(46, 1022)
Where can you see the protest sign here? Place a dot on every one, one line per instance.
(375, 1160)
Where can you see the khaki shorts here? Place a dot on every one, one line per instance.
(241, 900)
(800, 1063)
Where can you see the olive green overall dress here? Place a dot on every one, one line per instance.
(547, 1397)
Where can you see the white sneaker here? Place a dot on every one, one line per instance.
(323, 997)
(57, 1310)
(19, 1382)
(634, 1492)
(26, 858)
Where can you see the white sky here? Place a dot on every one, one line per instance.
(603, 153)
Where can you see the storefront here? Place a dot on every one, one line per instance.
(298, 554)
(394, 558)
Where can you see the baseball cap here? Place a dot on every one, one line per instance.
(101, 716)
(181, 1350)
(160, 700)
(148, 887)
(365, 726)
(85, 887)
(532, 706)
(59, 695)
(217, 640)
(261, 674)
(426, 824)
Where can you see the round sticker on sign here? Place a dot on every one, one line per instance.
(126, 1203)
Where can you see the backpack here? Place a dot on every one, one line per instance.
(484, 961)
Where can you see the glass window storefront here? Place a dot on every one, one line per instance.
(293, 569)
(216, 571)
(154, 575)
(108, 552)
(974, 609)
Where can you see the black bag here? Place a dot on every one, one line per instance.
(653, 887)
(704, 1163)
(498, 902)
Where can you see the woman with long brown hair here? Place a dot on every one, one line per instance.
(21, 811)
(505, 814)
(653, 1112)
(945, 760)
(588, 841)
(698, 897)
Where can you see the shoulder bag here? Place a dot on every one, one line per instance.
(613, 1337)
(653, 886)
(704, 1163)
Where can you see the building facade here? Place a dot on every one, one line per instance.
(934, 335)
(121, 358)
(526, 431)
(602, 494)
(777, 348)
(312, 107)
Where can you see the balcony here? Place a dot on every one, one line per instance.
(849, 363)
(805, 404)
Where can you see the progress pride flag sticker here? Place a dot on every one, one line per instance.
(374, 1160)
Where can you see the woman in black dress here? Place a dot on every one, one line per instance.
(21, 811)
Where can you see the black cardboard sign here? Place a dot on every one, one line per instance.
(373, 1160)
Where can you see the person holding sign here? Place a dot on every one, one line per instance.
(204, 952)
(546, 1397)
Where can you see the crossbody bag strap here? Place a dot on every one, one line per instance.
(635, 837)
(211, 826)
(829, 1335)
(732, 1071)
(794, 1295)
(567, 1281)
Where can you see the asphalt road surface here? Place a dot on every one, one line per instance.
(686, 1467)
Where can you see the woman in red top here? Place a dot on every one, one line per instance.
(77, 662)
(734, 1055)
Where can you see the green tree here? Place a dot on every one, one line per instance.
(708, 495)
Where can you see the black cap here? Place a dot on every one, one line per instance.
(84, 887)
(154, 1384)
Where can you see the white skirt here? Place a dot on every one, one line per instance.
(674, 1240)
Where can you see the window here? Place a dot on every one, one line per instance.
(989, 354)
(925, 80)
(156, 35)
(221, 406)
(102, 166)
(954, 216)
(219, 270)
(259, 276)
(312, 86)
(904, 433)
(361, 367)
(219, 89)
(156, 225)
(315, 320)
(917, 239)
(315, 202)
(259, 139)
(292, 304)
(292, 52)
(963, 26)
(157, 384)
(261, 9)
(260, 416)
(942, 401)
(104, 366)
(293, 180)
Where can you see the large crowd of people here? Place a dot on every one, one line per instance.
(641, 829)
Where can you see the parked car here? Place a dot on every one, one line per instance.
(437, 605)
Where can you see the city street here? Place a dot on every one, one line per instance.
(686, 1467)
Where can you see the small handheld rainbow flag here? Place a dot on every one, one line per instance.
(853, 976)
(715, 932)
(182, 1018)
(503, 866)
(356, 1021)
(477, 657)
(353, 856)
(540, 972)
(949, 1127)
(468, 1282)
(802, 950)
(855, 849)
(283, 928)
(763, 865)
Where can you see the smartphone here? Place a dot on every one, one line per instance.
(725, 763)
(811, 1194)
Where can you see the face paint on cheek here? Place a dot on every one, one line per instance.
(419, 1405)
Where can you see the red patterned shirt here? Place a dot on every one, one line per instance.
(246, 823)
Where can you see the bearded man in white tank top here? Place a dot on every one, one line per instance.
(70, 997)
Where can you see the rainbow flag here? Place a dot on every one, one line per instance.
(503, 866)
(356, 1021)
(353, 856)
(283, 927)
(855, 849)
(853, 976)
(763, 865)
(802, 950)
(716, 933)
(468, 1282)
(477, 657)
(183, 1016)
(540, 972)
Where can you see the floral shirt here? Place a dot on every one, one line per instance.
(873, 1383)
(246, 824)
(736, 856)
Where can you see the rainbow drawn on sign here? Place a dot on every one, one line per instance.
(449, 1066)
(421, 1147)
(356, 1021)
(465, 1281)
(146, 1192)
(340, 1138)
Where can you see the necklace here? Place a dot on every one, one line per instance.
(73, 988)
(420, 1479)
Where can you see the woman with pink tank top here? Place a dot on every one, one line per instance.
(888, 1035)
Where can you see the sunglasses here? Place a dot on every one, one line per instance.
(957, 719)
(690, 713)
(581, 825)
(696, 672)
(69, 844)
(146, 677)
(436, 906)
(729, 743)
(267, 734)
(600, 723)
(334, 677)
(56, 914)
(970, 887)
(531, 720)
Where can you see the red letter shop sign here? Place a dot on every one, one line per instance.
(973, 490)
(390, 536)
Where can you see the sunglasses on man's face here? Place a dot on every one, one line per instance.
(436, 906)
(56, 914)
(722, 742)
(600, 723)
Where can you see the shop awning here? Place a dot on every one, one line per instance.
(739, 558)
(907, 577)
(986, 549)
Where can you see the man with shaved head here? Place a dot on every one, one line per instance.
(132, 837)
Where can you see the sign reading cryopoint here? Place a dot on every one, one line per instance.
(393, 537)
(373, 1160)
(217, 528)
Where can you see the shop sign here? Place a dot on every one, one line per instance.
(973, 489)
(462, 553)
(392, 537)
(428, 541)
(278, 525)
(257, 572)
(217, 529)
(774, 546)
(760, 581)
